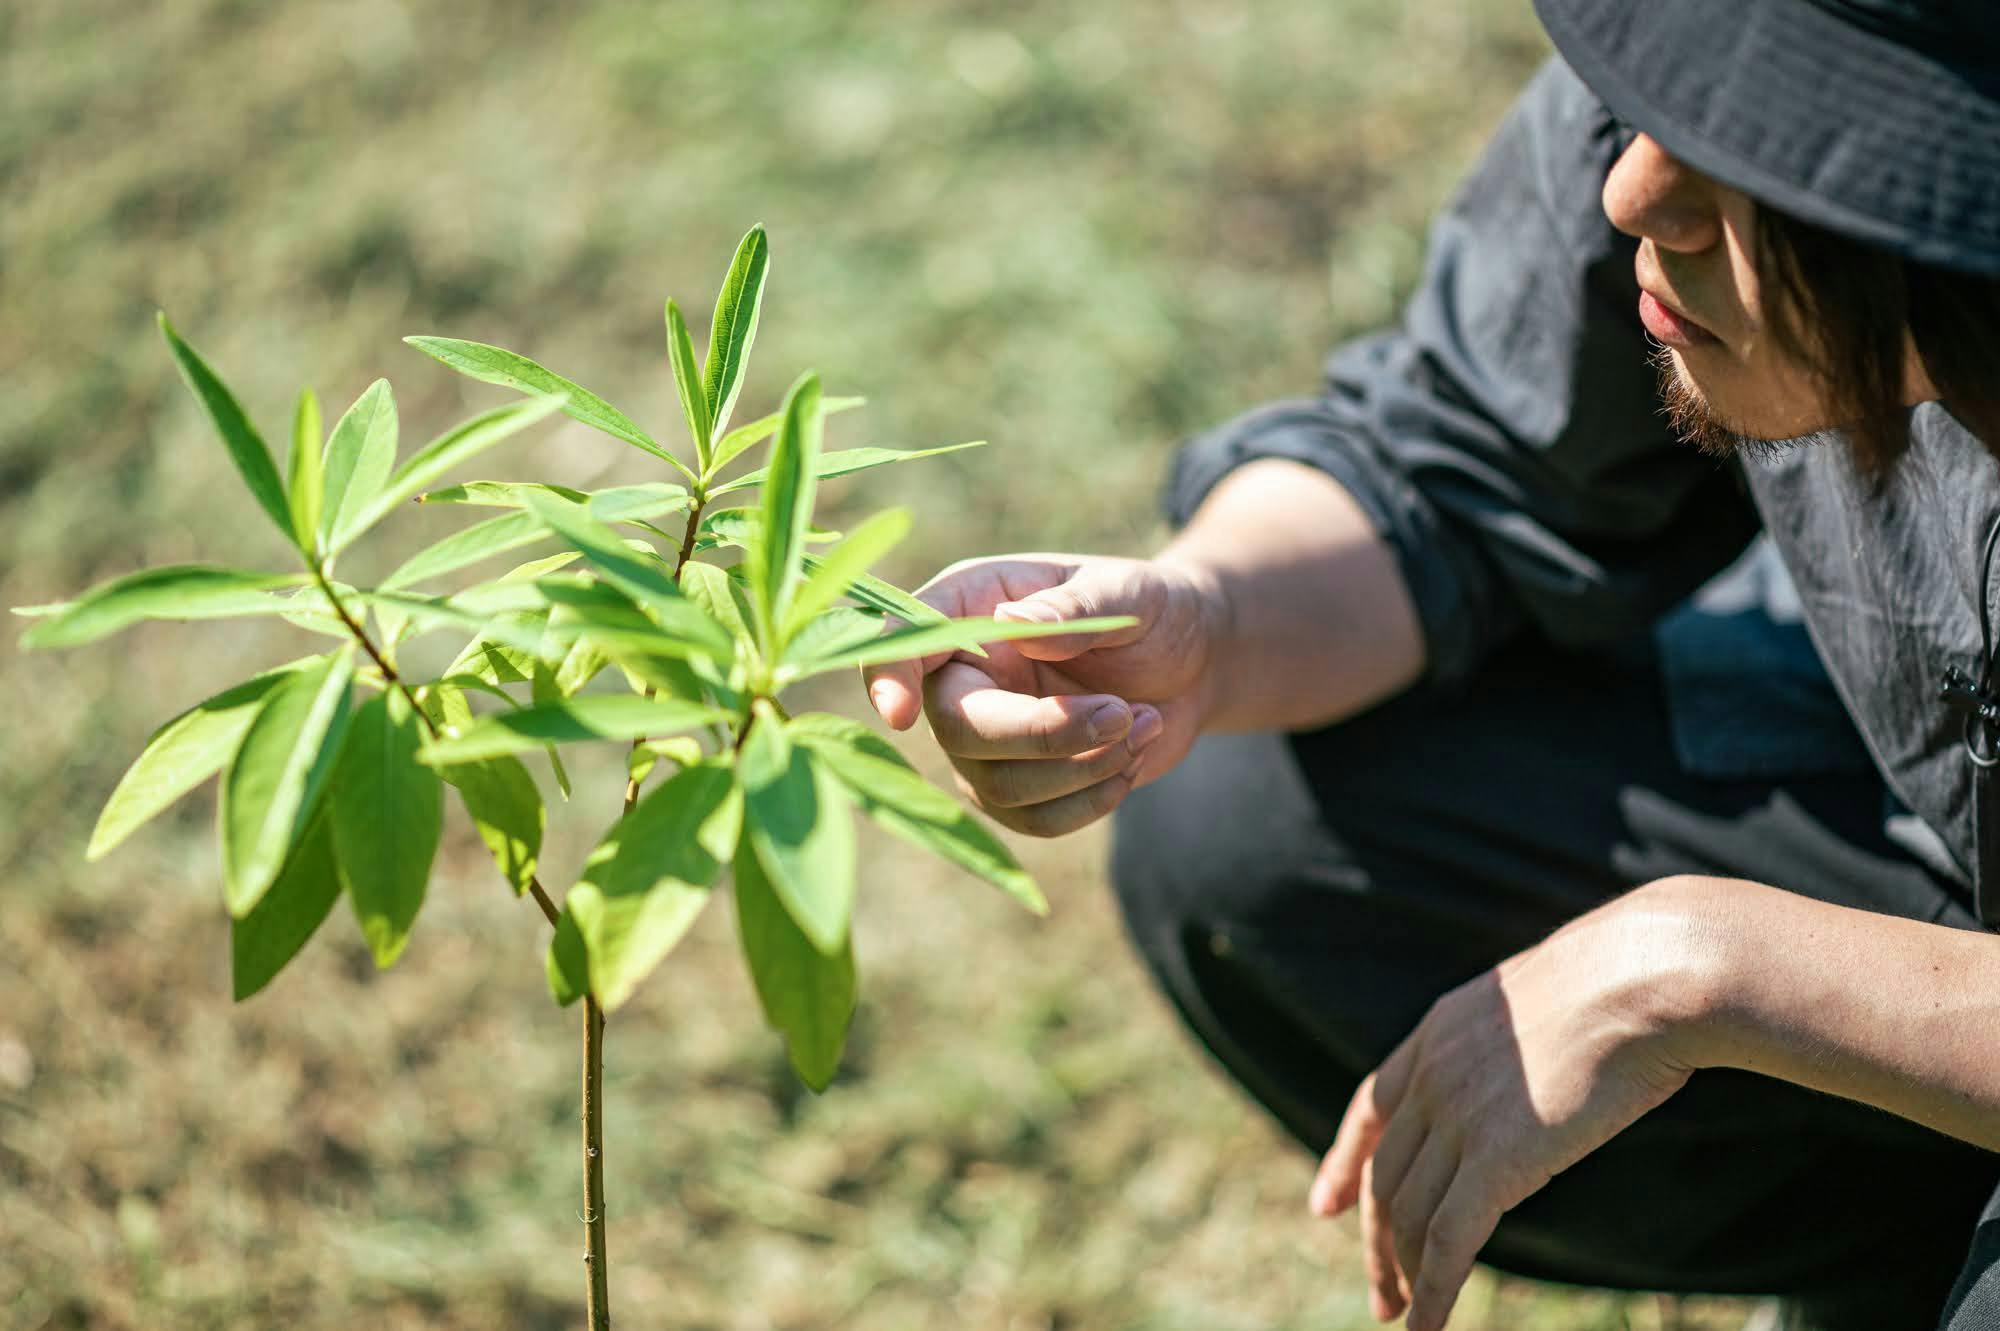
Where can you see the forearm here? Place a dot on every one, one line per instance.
(1313, 622)
(1893, 1012)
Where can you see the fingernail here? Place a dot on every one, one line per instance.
(1146, 727)
(1033, 612)
(879, 695)
(1109, 721)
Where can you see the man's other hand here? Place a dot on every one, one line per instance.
(1050, 734)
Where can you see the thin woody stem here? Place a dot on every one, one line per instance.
(597, 1297)
(389, 675)
(396, 681)
(597, 1300)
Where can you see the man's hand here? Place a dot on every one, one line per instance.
(1509, 1080)
(1050, 734)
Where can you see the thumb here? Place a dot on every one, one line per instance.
(1091, 591)
(895, 689)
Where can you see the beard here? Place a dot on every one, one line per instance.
(1695, 422)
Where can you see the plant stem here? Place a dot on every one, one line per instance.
(389, 674)
(396, 681)
(693, 526)
(597, 1297)
(597, 1303)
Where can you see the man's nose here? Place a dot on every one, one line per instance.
(1651, 195)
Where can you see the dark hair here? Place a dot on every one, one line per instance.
(1844, 308)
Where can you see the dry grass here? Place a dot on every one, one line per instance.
(1082, 232)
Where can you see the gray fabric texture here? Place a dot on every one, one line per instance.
(1506, 440)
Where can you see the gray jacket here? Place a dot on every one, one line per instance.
(1507, 443)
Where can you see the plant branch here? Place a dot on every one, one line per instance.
(397, 682)
(541, 896)
(389, 673)
(687, 540)
(597, 1297)
(597, 1301)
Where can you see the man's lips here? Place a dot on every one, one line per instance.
(1669, 325)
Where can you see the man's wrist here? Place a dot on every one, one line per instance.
(1214, 612)
(1689, 930)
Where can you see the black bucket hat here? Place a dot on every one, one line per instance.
(1877, 119)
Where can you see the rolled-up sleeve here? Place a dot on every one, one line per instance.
(1506, 440)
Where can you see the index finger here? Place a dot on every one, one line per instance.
(973, 717)
(1337, 1186)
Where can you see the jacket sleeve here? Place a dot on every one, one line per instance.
(1506, 440)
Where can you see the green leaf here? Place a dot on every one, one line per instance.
(308, 608)
(609, 622)
(568, 967)
(732, 444)
(681, 750)
(740, 527)
(385, 809)
(271, 787)
(246, 447)
(305, 486)
(493, 365)
(453, 447)
(870, 766)
(773, 556)
(264, 942)
(836, 572)
(687, 382)
(801, 824)
(497, 661)
(715, 591)
(506, 809)
(579, 666)
(646, 582)
(845, 460)
(480, 541)
(835, 630)
(902, 803)
(481, 610)
(360, 454)
(890, 599)
(807, 996)
(952, 635)
(627, 503)
(646, 882)
(620, 503)
(734, 328)
(499, 494)
(177, 591)
(593, 717)
(182, 754)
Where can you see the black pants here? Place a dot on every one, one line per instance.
(1303, 899)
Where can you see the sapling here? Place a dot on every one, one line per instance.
(333, 766)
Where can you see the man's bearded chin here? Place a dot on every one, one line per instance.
(1694, 421)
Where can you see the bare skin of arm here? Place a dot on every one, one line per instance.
(1278, 607)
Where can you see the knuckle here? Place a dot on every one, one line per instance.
(967, 791)
(1050, 733)
(1005, 784)
(1107, 795)
(1405, 1222)
(1444, 1245)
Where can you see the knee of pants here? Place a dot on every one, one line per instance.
(1216, 843)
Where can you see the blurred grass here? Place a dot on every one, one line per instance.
(1081, 232)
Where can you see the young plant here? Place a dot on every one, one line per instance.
(333, 766)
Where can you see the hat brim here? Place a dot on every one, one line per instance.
(1816, 117)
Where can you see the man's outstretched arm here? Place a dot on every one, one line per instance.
(1276, 606)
